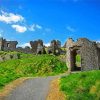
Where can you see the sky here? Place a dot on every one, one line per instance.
(26, 20)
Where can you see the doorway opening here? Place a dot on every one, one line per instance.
(39, 52)
(76, 60)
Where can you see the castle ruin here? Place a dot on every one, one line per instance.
(89, 52)
(55, 47)
(37, 47)
(7, 45)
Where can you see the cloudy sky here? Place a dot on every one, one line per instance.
(25, 20)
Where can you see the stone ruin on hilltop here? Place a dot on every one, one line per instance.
(55, 47)
(88, 51)
(37, 47)
(89, 54)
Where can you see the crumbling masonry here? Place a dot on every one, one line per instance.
(37, 47)
(89, 52)
(7, 45)
(55, 47)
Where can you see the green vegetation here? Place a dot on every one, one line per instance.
(81, 86)
(78, 58)
(28, 66)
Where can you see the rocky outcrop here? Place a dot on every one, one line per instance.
(5, 57)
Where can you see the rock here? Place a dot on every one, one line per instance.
(1, 59)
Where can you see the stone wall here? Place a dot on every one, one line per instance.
(37, 47)
(1, 43)
(89, 52)
(7, 45)
(55, 47)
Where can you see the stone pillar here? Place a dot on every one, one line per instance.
(68, 59)
(1, 44)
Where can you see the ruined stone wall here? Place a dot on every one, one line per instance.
(10, 45)
(24, 50)
(55, 47)
(90, 54)
(37, 47)
(69, 56)
(1, 43)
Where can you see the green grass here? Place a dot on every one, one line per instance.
(81, 86)
(78, 58)
(28, 66)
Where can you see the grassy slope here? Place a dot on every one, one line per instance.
(81, 86)
(30, 65)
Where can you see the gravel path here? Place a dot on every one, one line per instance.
(32, 89)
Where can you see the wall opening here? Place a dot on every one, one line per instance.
(49, 52)
(8, 45)
(39, 52)
(76, 60)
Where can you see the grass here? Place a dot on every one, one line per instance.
(81, 86)
(28, 66)
(78, 58)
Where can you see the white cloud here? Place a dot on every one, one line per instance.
(34, 27)
(10, 17)
(38, 26)
(98, 41)
(71, 29)
(20, 29)
(47, 44)
(24, 45)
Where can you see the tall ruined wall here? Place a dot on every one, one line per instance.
(1, 43)
(37, 46)
(10, 45)
(99, 57)
(89, 51)
(69, 58)
(89, 55)
(55, 47)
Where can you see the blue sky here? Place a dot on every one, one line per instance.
(25, 20)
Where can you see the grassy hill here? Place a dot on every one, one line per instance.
(28, 66)
(81, 86)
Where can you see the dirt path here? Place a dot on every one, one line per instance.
(31, 89)
(54, 92)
